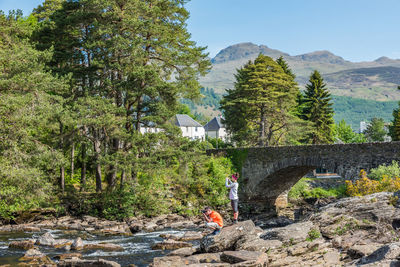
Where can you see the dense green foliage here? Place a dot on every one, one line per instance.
(391, 171)
(375, 131)
(318, 110)
(78, 82)
(259, 109)
(303, 190)
(344, 133)
(183, 187)
(354, 110)
(394, 129)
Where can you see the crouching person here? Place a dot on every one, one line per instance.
(213, 220)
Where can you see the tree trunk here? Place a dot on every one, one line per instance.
(83, 167)
(261, 141)
(97, 151)
(98, 178)
(62, 168)
(72, 159)
(122, 179)
(62, 178)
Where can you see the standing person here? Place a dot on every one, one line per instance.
(233, 195)
(213, 220)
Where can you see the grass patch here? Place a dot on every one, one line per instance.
(302, 190)
(313, 234)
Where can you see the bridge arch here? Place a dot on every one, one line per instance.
(269, 171)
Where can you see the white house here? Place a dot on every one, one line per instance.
(189, 127)
(215, 129)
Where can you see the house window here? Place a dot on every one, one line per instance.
(187, 129)
(195, 129)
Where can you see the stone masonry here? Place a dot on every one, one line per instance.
(269, 171)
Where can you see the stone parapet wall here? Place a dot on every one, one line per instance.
(269, 171)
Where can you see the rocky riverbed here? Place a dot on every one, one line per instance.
(358, 231)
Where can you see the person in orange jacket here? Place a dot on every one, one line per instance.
(213, 220)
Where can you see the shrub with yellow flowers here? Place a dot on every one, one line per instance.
(365, 186)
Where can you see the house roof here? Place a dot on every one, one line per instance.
(184, 120)
(214, 124)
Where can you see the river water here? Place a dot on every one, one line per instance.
(137, 248)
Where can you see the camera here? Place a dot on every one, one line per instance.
(203, 211)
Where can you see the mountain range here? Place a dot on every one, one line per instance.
(377, 80)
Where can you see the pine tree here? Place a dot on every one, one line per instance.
(285, 67)
(375, 131)
(318, 110)
(394, 129)
(261, 101)
(138, 54)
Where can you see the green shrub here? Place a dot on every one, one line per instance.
(22, 188)
(391, 171)
(313, 234)
(302, 190)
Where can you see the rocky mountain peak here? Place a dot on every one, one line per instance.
(322, 56)
(244, 50)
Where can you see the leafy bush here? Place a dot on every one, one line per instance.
(366, 186)
(313, 234)
(391, 171)
(21, 188)
(303, 190)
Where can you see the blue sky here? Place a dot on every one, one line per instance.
(357, 30)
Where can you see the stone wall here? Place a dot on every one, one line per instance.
(269, 171)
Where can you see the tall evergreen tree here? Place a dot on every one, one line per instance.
(318, 110)
(281, 61)
(260, 102)
(138, 54)
(394, 129)
(375, 131)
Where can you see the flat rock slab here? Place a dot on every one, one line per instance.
(190, 236)
(257, 244)
(68, 256)
(205, 258)
(297, 232)
(170, 245)
(183, 252)
(83, 263)
(25, 245)
(169, 261)
(104, 246)
(240, 256)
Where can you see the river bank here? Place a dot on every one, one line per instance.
(355, 231)
(52, 241)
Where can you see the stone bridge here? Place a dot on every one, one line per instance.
(267, 172)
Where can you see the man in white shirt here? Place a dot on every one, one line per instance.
(233, 195)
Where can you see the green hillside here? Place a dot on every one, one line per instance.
(376, 80)
(352, 110)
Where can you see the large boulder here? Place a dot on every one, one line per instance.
(386, 255)
(77, 244)
(292, 233)
(227, 238)
(34, 257)
(47, 239)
